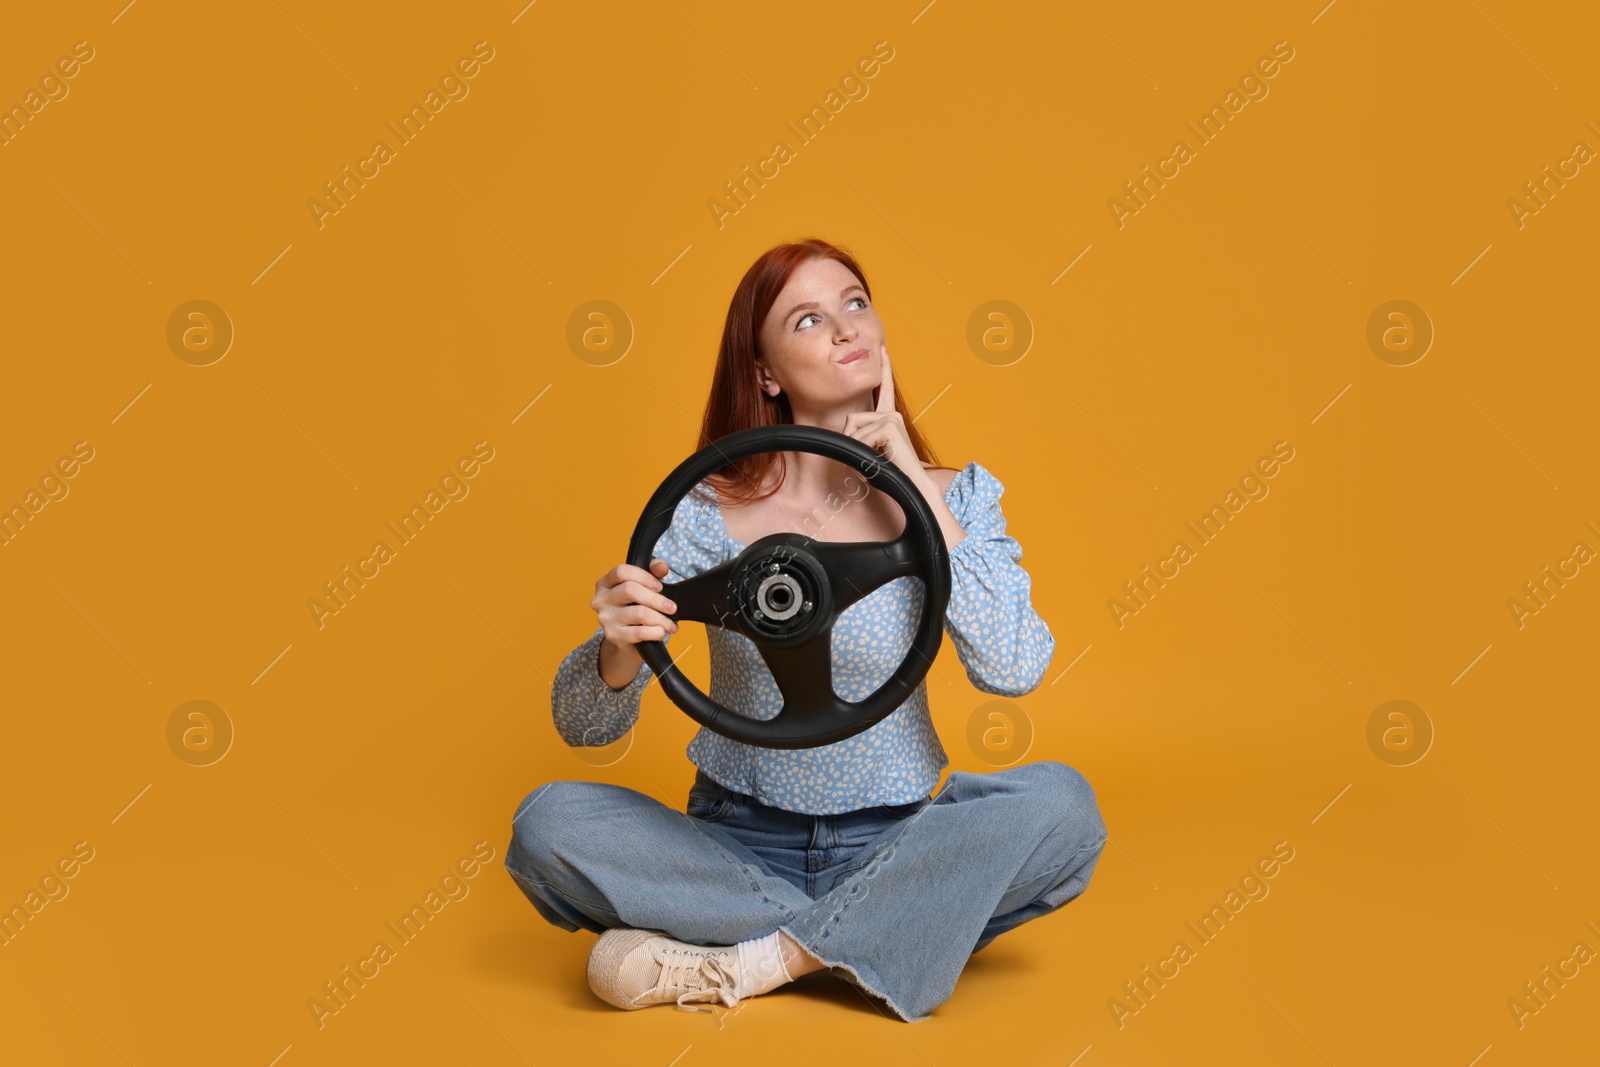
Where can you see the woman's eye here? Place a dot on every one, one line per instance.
(813, 314)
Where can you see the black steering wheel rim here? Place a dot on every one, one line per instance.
(786, 591)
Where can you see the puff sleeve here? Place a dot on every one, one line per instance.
(1002, 642)
(589, 713)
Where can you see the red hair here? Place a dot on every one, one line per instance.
(737, 401)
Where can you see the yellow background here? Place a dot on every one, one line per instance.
(372, 754)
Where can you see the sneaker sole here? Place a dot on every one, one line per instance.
(605, 964)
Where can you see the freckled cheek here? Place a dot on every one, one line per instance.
(820, 355)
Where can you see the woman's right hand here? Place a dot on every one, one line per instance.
(631, 608)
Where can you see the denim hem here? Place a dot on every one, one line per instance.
(840, 965)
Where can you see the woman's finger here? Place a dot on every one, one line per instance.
(862, 426)
(624, 572)
(886, 387)
(631, 592)
(639, 615)
(633, 635)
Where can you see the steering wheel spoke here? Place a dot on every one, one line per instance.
(856, 568)
(804, 674)
(708, 597)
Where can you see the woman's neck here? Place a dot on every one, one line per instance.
(809, 476)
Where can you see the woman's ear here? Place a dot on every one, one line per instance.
(764, 379)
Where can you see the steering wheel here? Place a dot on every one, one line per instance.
(785, 591)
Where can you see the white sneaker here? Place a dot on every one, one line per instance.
(634, 969)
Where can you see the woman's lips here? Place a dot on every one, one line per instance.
(860, 353)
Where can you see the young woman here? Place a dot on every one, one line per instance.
(789, 861)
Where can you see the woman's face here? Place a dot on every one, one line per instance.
(820, 318)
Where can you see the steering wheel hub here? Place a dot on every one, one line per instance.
(782, 594)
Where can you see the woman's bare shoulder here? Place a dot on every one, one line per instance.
(942, 476)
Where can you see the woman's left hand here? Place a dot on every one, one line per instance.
(884, 428)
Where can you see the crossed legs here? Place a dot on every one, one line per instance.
(989, 853)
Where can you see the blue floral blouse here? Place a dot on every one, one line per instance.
(1002, 642)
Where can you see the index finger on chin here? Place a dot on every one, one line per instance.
(886, 386)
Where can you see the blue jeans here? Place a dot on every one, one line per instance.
(893, 898)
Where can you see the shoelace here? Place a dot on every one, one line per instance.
(696, 976)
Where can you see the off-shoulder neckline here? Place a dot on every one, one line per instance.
(722, 520)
